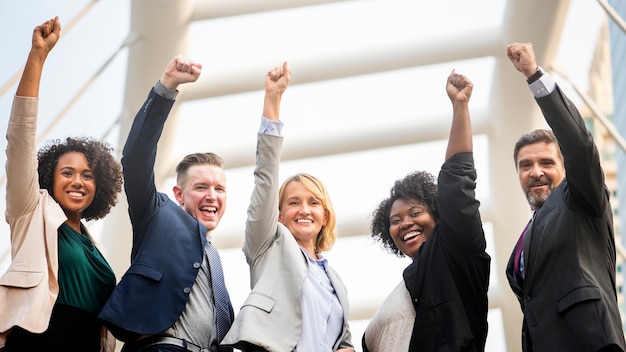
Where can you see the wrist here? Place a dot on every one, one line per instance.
(38, 54)
(535, 76)
(168, 83)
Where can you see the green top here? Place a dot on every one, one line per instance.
(85, 278)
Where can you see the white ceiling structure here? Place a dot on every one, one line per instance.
(366, 105)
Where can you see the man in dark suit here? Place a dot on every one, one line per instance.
(169, 299)
(563, 268)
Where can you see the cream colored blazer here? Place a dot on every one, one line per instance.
(29, 287)
(271, 316)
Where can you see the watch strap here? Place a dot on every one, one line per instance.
(535, 76)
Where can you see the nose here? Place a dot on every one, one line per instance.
(536, 171)
(304, 208)
(77, 180)
(210, 194)
(405, 224)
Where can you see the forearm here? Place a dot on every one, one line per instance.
(147, 128)
(460, 139)
(580, 154)
(31, 77)
(459, 214)
(261, 223)
(140, 149)
(271, 106)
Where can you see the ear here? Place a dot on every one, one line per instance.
(178, 193)
(280, 217)
(326, 216)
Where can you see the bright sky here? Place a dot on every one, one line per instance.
(85, 48)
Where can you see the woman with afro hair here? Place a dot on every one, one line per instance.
(441, 305)
(58, 279)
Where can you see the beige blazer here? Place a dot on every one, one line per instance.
(29, 288)
(271, 316)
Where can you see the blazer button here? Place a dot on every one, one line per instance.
(196, 265)
(526, 299)
(187, 290)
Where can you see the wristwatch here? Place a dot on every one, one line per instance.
(535, 75)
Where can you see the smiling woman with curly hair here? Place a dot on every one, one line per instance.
(106, 169)
(417, 185)
(58, 279)
(441, 303)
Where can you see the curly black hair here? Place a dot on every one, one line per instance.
(106, 168)
(420, 186)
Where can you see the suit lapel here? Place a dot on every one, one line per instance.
(517, 289)
(413, 275)
(342, 295)
(54, 218)
(531, 245)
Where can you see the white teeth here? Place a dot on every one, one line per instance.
(213, 209)
(410, 235)
(308, 221)
(75, 194)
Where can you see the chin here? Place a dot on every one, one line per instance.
(537, 201)
(411, 253)
(413, 249)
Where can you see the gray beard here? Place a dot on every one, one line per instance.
(536, 202)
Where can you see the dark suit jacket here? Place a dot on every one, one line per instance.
(167, 242)
(449, 277)
(568, 296)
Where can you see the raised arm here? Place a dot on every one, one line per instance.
(262, 219)
(21, 165)
(139, 153)
(45, 36)
(458, 207)
(581, 158)
(459, 89)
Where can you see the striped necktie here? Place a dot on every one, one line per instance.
(517, 265)
(224, 314)
(518, 259)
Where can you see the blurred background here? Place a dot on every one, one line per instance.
(367, 105)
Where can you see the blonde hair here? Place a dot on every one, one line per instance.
(195, 159)
(326, 237)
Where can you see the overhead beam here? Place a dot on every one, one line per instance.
(314, 67)
(206, 10)
(432, 128)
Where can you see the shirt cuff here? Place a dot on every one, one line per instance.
(165, 92)
(271, 127)
(543, 86)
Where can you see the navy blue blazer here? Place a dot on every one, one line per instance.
(168, 243)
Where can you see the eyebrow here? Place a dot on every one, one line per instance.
(61, 167)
